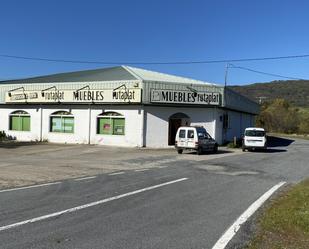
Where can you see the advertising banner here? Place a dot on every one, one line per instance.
(75, 96)
(185, 97)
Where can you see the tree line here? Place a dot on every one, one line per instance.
(280, 116)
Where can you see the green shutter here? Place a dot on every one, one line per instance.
(68, 124)
(118, 126)
(105, 126)
(25, 122)
(62, 124)
(56, 124)
(15, 123)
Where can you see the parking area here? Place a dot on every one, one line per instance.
(24, 164)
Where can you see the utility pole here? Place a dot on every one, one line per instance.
(225, 81)
(225, 115)
(226, 73)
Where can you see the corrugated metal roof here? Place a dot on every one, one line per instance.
(148, 75)
(118, 73)
(105, 74)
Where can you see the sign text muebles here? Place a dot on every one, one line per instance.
(75, 96)
(185, 97)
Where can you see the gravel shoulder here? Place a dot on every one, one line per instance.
(24, 164)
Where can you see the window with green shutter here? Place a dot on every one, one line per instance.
(25, 123)
(118, 126)
(19, 121)
(62, 122)
(111, 123)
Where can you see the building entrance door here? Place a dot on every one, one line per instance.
(175, 121)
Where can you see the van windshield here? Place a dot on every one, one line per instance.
(252, 133)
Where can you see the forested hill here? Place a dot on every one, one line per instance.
(294, 91)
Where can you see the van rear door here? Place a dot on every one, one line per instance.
(191, 138)
(182, 138)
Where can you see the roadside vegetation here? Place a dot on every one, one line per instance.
(279, 116)
(3, 136)
(6, 138)
(285, 223)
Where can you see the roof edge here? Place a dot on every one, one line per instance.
(131, 72)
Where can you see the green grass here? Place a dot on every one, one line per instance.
(304, 110)
(285, 224)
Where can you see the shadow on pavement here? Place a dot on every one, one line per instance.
(278, 141)
(269, 150)
(209, 152)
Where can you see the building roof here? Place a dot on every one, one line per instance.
(148, 75)
(104, 74)
(118, 73)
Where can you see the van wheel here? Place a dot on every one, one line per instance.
(243, 148)
(215, 149)
(199, 151)
(179, 151)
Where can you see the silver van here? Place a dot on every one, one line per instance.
(194, 138)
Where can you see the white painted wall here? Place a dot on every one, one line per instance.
(158, 117)
(155, 126)
(80, 125)
(32, 135)
(237, 123)
(133, 127)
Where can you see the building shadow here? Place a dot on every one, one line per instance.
(269, 150)
(220, 151)
(278, 141)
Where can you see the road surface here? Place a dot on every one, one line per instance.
(178, 205)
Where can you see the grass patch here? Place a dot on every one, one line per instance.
(285, 224)
(304, 110)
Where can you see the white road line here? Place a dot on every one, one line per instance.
(116, 173)
(27, 187)
(232, 230)
(141, 170)
(85, 178)
(74, 209)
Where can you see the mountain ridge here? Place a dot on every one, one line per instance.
(294, 91)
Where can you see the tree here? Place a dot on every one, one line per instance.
(278, 116)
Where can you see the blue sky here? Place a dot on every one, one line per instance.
(156, 30)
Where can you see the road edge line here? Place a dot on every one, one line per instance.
(85, 178)
(232, 230)
(28, 187)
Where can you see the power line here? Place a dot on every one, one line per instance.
(152, 63)
(264, 73)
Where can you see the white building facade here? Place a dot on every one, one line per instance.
(120, 106)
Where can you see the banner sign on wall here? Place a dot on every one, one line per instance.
(73, 96)
(185, 97)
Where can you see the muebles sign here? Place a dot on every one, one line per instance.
(78, 96)
(185, 97)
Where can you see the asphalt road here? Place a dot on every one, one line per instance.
(192, 212)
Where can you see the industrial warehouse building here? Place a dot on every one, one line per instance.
(122, 106)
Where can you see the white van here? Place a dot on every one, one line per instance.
(254, 138)
(194, 138)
